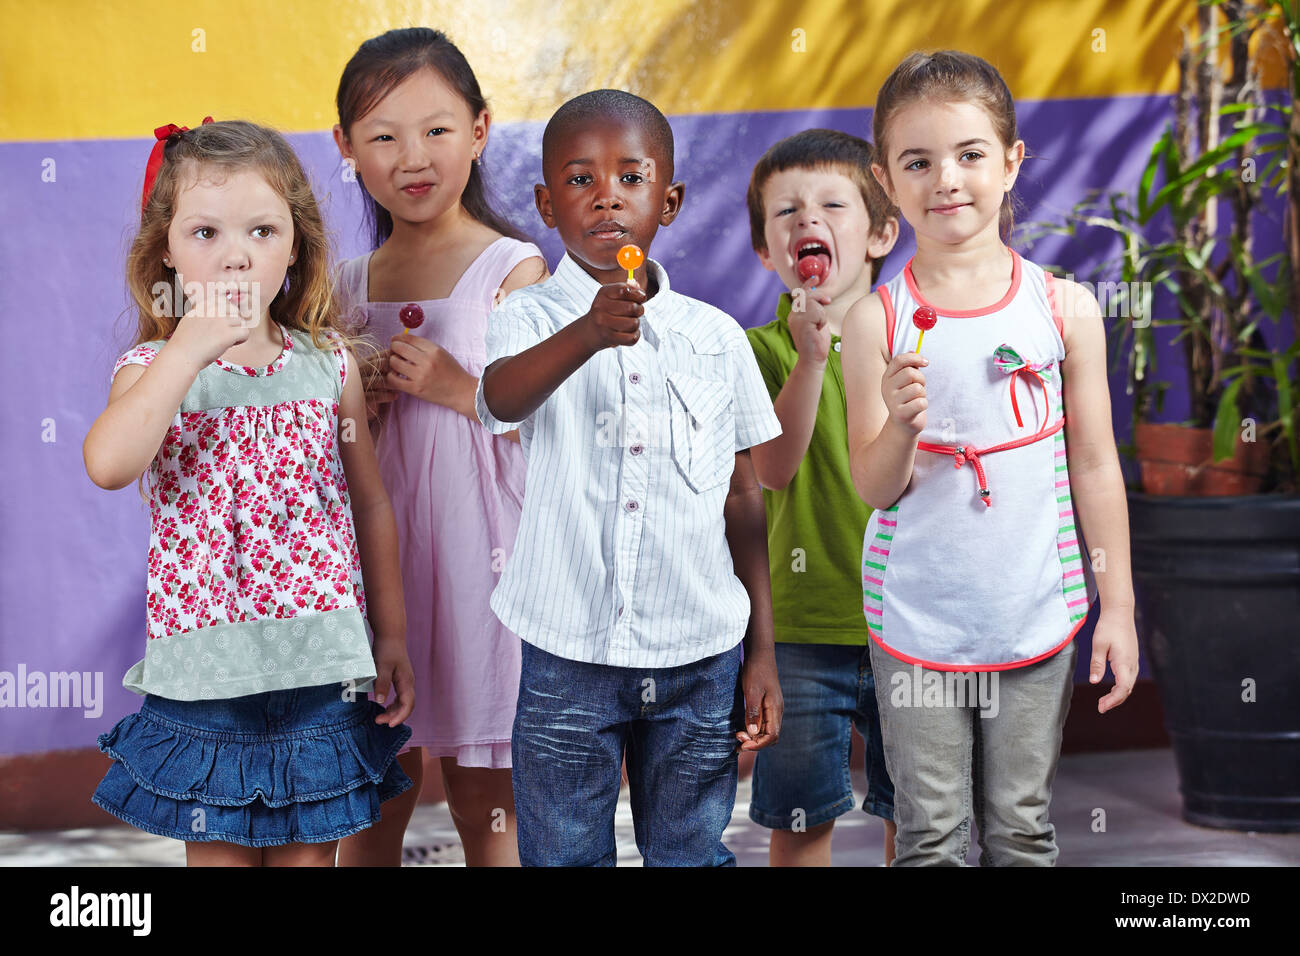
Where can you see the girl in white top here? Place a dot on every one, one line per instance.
(972, 561)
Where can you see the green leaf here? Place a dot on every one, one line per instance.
(1149, 172)
(1269, 298)
(1173, 189)
(1258, 354)
(1227, 422)
(1286, 403)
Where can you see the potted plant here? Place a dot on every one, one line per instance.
(1215, 526)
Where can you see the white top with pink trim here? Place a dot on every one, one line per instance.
(978, 565)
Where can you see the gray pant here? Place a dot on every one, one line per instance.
(957, 743)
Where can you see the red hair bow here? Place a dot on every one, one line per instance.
(164, 136)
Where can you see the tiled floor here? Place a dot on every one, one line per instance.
(1136, 790)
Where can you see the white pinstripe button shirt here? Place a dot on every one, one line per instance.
(622, 556)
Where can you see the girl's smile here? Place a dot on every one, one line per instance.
(414, 148)
(947, 170)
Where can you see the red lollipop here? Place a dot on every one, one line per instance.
(810, 266)
(412, 316)
(924, 319)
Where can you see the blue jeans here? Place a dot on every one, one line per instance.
(803, 780)
(573, 723)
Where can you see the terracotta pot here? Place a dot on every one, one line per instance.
(1178, 461)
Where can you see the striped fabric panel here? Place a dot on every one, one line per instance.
(875, 555)
(1073, 585)
(618, 560)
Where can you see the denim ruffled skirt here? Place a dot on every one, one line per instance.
(289, 766)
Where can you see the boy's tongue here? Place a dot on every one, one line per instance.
(818, 265)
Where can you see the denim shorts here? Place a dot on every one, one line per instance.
(302, 765)
(804, 777)
(677, 726)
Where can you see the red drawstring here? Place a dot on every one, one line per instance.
(963, 454)
(1034, 377)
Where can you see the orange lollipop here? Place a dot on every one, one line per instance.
(630, 258)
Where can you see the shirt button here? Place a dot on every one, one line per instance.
(635, 378)
(637, 449)
(631, 506)
(837, 346)
(620, 612)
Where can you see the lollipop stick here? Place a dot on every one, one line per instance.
(919, 339)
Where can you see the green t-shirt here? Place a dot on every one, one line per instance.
(815, 523)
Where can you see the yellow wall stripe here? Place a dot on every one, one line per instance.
(90, 68)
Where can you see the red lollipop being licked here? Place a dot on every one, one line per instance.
(812, 266)
(924, 319)
(412, 316)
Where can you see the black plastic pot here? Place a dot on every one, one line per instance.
(1217, 584)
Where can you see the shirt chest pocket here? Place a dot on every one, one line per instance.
(703, 428)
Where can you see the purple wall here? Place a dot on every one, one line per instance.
(74, 556)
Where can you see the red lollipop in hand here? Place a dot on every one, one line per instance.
(810, 266)
(924, 319)
(412, 316)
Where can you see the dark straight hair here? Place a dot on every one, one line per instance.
(380, 64)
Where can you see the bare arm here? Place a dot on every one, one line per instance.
(143, 401)
(746, 523)
(528, 272)
(886, 406)
(372, 516)
(514, 387)
(141, 406)
(776, 461)
(1097, 486)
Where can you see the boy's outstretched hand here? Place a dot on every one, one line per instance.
(764, 705)
(614, 317)
(1115, 639)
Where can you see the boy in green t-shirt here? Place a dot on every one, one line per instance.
(813, 195)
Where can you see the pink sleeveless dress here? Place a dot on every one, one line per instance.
(456, 492)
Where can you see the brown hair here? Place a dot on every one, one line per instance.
(307, 303)
(821, 149)
(948, 76)
(383, 62)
